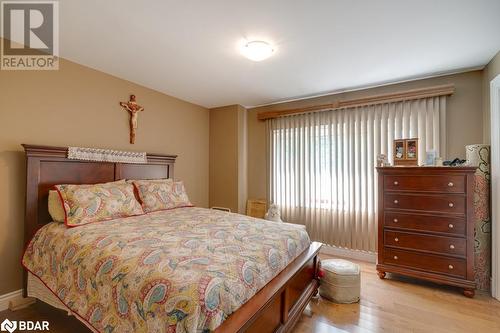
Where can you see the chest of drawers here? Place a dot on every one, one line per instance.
(426, 225)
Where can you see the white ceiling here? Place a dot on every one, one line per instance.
(189, 49)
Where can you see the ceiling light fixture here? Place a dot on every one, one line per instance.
(257, 50)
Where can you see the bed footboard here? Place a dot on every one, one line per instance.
(278, 306)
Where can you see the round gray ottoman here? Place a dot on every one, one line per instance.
(341, 281)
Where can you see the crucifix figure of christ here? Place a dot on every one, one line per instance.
(133, 108)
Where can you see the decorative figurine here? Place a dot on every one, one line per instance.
(134, 109)
(382, 160)
(273, 214)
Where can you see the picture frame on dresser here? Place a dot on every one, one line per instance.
(411, 146)
(426, 224)
(399, 150)
(405, 152)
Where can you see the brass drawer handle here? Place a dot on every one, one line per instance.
(450, 266)
(452, 246)
(396, 201)
(396, 239)
(395, 257)
(450, 184)
(450, 226)
(396, 182)
(395, 220)
(451, 205)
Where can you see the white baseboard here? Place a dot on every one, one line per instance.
(10, 297)
(350, 254)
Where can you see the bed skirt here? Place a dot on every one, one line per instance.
(39, 291)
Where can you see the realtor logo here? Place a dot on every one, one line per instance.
(8, 326)
(24, 325)
(30, 31)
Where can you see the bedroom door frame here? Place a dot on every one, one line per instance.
(495, 184)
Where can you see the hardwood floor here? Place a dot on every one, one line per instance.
(401, 304)
(59, 321)
(390, 305)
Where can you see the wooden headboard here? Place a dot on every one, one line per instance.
(48, 166)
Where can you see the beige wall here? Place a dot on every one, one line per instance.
(464, 120)
(78, 106)
(490, 72)
(242, 159)
(228, 157)
(224, 157)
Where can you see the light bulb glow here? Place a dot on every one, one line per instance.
(257, 50)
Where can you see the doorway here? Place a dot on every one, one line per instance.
(495, 184)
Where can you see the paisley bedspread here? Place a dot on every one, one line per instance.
(182, 270)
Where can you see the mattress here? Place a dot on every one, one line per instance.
(181, 270)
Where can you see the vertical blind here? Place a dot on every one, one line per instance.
(322, 165)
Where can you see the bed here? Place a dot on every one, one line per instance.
(188, 269)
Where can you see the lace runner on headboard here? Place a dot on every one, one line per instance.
(106, 155)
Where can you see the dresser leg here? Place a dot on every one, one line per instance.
(381, 274)
(469, 293)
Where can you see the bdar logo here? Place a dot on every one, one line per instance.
(24, 325)
(8, 325)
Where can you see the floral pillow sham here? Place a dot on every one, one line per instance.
(84, 204)
(161, 194)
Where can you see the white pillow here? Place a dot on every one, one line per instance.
(56, 209)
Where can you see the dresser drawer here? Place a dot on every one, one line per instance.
(426, 183)
(446, 203)
(427, 262)
(450, 225)
(419, 242)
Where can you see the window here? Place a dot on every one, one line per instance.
(322, 164)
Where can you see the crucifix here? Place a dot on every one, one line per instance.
(134, 109)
